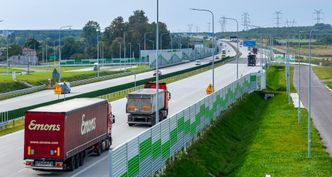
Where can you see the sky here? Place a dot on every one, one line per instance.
(52, 14)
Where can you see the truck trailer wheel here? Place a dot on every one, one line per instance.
(99, 149)
(130, 124)
(71, 164)
(81, 161)
(77, 161)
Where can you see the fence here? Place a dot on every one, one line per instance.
(5, 121)
(148, 153)
(21, 92)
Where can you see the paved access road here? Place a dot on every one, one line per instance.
(321, 104)
(184, 93)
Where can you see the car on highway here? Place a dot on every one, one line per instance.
(65, 87)
(217, 57)
(198, 62)
(155, 73)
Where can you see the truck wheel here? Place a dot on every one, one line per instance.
(130, 124)
(99, 150)
(108, 144)
(77, 161)
(153, 120)
(81, 161)
(71, 164)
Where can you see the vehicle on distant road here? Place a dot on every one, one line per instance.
(198, 62)
(65, 87)
(141, 105)
(155, 73)
(62, 135)
(255, 50)
(251, 59)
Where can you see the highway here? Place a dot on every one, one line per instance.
(48, 95)
(321, 104)
(184, 93)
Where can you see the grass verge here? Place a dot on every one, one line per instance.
(275, 79)
(12, 127)
(254, 138)
(323, 72)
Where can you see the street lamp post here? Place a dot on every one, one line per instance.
(299, 81)
(157, 76)
(161, 40)
(213, 41)
(98, 54)
(309, 97)
(145, 39)
(237, 44)
(62, 27)
(130, 54)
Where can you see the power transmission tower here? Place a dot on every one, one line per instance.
(278, 13)
(190, 27)
(197, 29)
(245, 21)
(290, 23)
(318, 15)
(222, 22)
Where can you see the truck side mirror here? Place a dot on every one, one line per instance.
(169, 95)
(113, 118)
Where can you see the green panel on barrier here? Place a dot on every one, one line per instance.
(145, 149)
(174, 136)
(187, 126)
(133, 166)
(165, 150)
(180, 124)
(253, 78)
(156, 149)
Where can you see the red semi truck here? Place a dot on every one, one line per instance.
(60, 136)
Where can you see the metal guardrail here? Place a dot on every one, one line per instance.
(148, 153)
(101, 78)
(21, 92)
(118, 94)
(5, 121)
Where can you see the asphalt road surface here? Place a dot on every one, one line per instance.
(184, 93)
(321, 104)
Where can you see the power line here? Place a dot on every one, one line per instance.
(278, 13)
(318, 15)
(245, 21)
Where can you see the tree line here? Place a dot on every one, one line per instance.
(118, 40)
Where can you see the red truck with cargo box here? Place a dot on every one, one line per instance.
(60, 136)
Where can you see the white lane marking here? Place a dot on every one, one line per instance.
(17, 172)
(328, 88)
(88, 167)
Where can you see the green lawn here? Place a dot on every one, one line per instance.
(254, 138)
(4, 69)
(276, 78)
(39, 78)
(323, 72)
